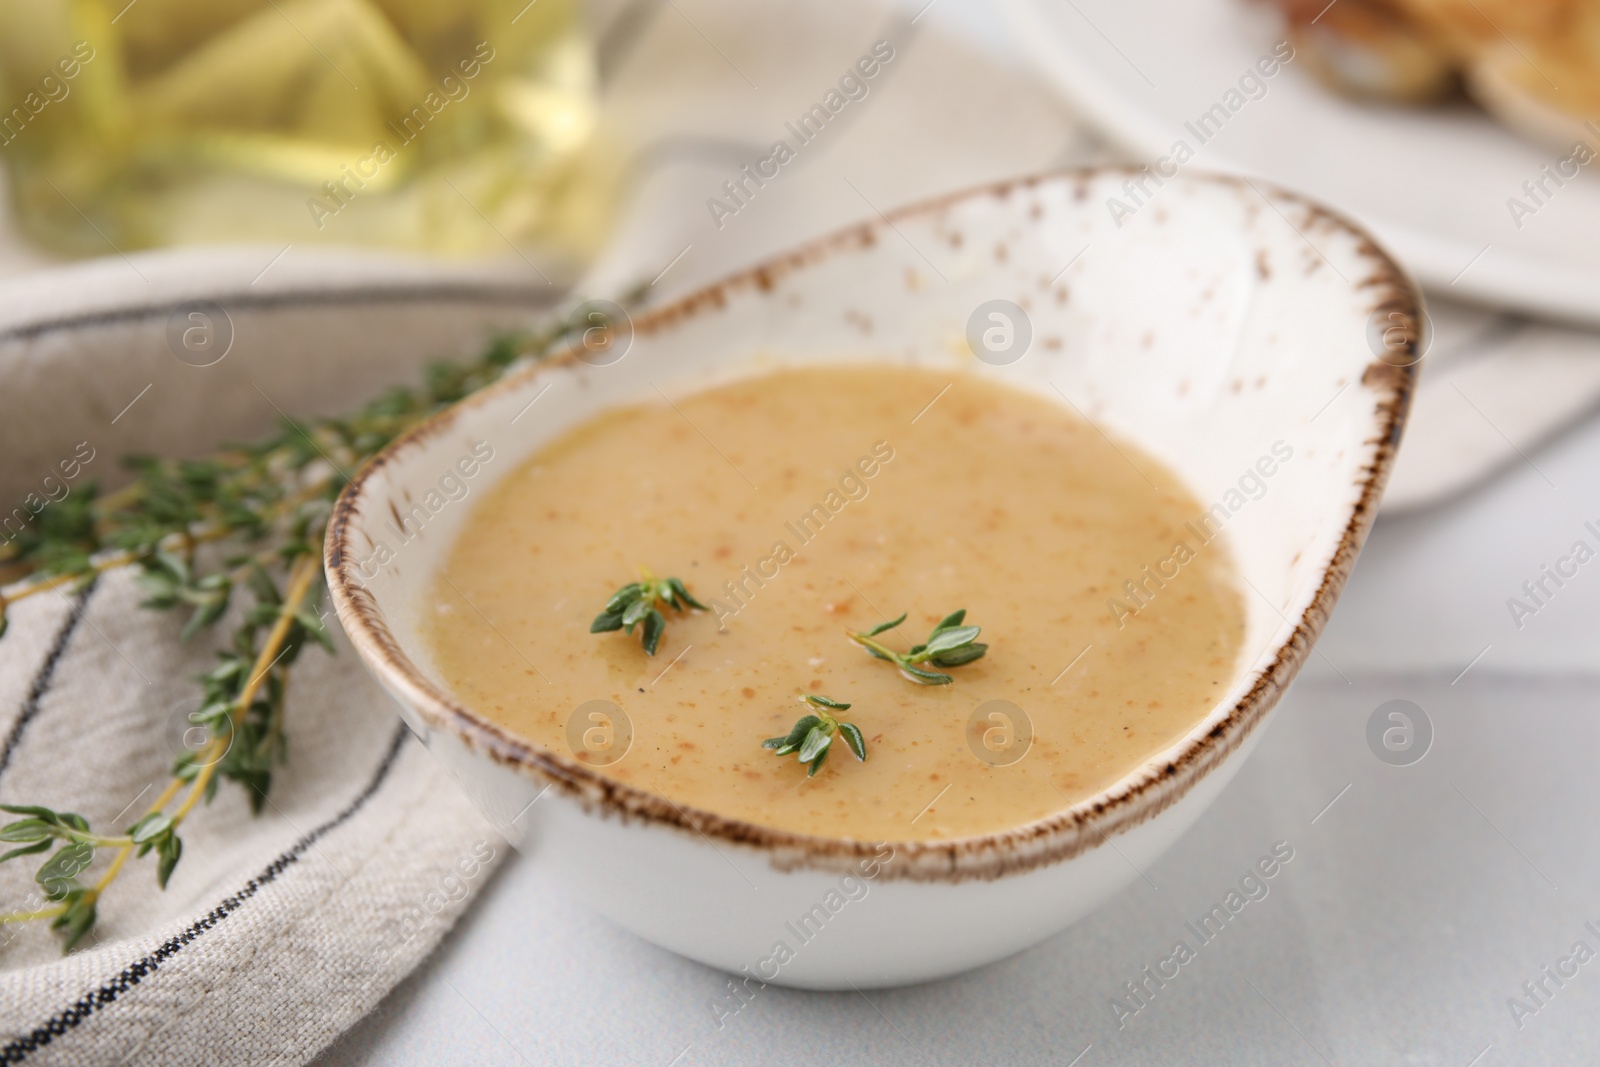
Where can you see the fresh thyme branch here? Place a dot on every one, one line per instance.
(812, 736)
(949, 645)
(635, 605)
(265, 506)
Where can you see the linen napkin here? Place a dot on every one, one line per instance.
(277, 930)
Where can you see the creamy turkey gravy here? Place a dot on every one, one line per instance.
(800, 503)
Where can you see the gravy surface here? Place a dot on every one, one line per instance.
(803, 502)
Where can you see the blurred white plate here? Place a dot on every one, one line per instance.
(1432, 183)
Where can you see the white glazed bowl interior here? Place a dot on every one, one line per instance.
(1217, 321)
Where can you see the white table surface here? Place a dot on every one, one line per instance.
(1418, 901)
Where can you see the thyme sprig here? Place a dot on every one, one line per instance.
(812, 736)
(635, 605)
(266, 506)
(244, 712)
(949, 645)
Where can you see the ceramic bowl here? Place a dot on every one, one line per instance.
(1217, 323)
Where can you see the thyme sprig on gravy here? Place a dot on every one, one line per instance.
(949, 645)
(812, 736)
(265, 505)
(635, 605)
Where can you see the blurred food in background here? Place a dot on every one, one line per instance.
(1533, 64)
(446, 126)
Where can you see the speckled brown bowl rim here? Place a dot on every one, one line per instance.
(1054, 839)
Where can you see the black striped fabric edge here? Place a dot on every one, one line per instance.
(44, 677)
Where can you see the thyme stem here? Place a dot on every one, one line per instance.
(33, 916)
(306, 569)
